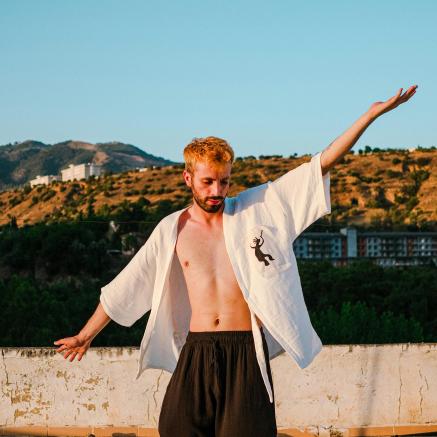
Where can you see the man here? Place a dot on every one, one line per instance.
(221, 281)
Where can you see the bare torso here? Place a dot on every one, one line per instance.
(217, 303)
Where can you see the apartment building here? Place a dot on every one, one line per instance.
(385, 248)
(80, 171)
(44, 180)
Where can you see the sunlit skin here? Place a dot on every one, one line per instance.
(216, 300)
(209, 186)
(343, 143)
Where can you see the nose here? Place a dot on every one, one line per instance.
(216, 190)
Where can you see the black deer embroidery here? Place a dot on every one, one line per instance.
(258, 252)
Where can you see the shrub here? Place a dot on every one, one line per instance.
(393, 174)
(411, 203)
(419, 176)
(14, 201)
(132, 192)
(48, 195)
(358, 323)
(143, 201)
(423, 161)
(269, 156)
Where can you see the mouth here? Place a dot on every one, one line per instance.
(214, 202)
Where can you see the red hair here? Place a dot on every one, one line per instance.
(212, 150)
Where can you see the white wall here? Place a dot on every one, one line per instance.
(345, 387)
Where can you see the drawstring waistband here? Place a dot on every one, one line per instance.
(215, 354)
(220, 336)
(217, 338)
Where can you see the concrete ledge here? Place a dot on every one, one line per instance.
(353, 390)
(135, 431)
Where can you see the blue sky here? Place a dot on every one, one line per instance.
(273, 77)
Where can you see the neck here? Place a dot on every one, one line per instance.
(205, 217)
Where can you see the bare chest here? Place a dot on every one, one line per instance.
(215, 297)
(200, 250)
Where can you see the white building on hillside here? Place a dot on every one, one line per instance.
(81, 171)
(44, 180)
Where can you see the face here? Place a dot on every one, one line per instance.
(209, 185)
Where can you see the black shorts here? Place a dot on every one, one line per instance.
(217, 390)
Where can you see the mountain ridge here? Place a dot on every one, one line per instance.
(386, 189)
(21, 162)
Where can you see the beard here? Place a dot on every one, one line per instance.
(203, 203)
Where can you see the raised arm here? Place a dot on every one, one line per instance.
(342, 144)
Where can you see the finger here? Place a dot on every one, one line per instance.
(80, 356)
(395, 97)
(410, 92)
(61, 348)
(72, 356)
(69, 351)
(403, 97)
(407, 95)
(413, 90)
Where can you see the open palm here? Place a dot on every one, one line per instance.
(379, 108)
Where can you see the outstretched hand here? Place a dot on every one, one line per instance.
(73, 346)
(379, 108)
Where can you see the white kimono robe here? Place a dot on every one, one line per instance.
(153, 280)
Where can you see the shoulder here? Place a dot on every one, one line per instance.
(252, 196)
(167, 223)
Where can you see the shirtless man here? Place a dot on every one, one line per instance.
(216, 300)
(219, 310)
(202, 254)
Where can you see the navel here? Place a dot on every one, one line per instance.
(216, 321)
(186, 263)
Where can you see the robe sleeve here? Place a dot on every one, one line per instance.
(304, 195)
(129, 295)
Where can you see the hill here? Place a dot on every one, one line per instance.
(386, 189)
(21, 162)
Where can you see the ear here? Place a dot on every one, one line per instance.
(187, 177)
